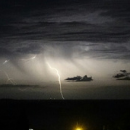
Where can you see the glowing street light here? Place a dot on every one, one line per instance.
(79, 128)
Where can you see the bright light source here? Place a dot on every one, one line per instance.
(79, 128)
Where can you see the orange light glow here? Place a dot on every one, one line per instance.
(79, 128)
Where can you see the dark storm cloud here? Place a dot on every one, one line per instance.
(4, 51)
(66, 20)
(108, 51)
(103, 21)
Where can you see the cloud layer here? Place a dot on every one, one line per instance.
(66, 31)
(26, 27)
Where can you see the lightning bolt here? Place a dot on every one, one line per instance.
(8, 78)
(6, 74)
(58, 79)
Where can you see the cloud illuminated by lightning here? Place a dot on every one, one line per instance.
(58, 78)
(32, 58)
(5, 62)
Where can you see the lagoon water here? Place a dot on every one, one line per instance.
(71, 90)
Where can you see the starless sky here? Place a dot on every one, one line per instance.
(77, 37)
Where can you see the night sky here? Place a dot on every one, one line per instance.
(75, 37)
(85, 36)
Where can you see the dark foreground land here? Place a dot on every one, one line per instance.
(64, 114)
